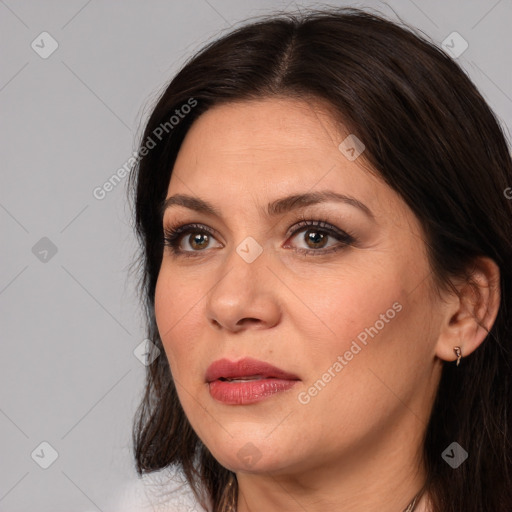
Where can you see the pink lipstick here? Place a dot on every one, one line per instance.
(246, 381)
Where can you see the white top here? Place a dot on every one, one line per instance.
(166, 490)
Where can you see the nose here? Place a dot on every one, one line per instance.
(245, 295)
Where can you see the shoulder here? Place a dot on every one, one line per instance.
(166, 490)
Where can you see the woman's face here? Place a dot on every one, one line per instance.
(343, 307)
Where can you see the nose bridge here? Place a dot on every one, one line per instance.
(247, 253)
(242, 290)
(244, 267)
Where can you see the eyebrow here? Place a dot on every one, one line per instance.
(277, 207)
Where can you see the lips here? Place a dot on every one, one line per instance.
(245, 369)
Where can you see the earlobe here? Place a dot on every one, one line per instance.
(470, 315)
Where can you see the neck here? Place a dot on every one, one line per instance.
(287, 495)
(384, 476)
(423, 504)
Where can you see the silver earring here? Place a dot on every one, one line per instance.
(458, 354)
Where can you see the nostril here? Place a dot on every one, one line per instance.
(247, 320)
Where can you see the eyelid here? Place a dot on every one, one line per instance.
(178, 230)
(174, 232)
(303, 220)
(323, 225)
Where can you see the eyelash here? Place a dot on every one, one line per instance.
(174, 233)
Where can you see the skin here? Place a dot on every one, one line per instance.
(356, 445)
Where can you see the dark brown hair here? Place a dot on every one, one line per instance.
(431, 136)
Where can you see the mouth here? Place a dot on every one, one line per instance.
(246, 369)
(246, 381)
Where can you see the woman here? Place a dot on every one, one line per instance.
(326, 248)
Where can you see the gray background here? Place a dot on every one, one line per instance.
(70, 321)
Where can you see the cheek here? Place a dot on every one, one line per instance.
(165, 305)
(362, 330)
(378, 340)
(346, 310)
(174, 310)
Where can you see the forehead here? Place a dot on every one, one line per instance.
(272, 139)
(268, 124)
(260, 149)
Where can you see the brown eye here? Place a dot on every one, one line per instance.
(316, 235)
(199, 240)
(316, 239)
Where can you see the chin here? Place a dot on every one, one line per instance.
(250, 451)
(250, 459)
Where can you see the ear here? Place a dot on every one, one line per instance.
(469, 315)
